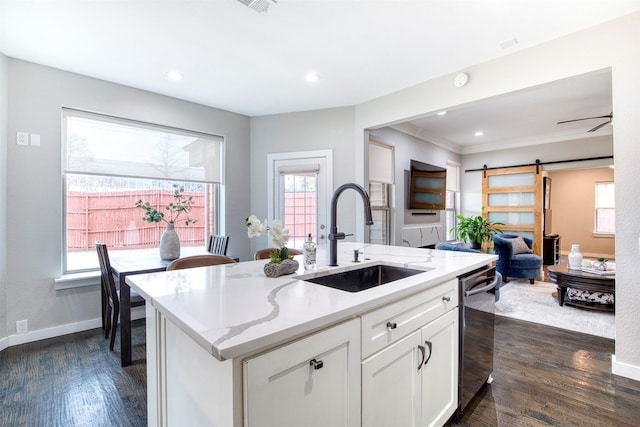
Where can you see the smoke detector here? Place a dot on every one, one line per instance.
(259, 6)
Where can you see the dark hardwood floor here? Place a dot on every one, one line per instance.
(546, 376)
(74, 380)
(543, 376)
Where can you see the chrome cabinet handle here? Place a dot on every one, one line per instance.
(391, 325)
(446, 299)
(430, 345)
(422, 350)
(316, 364)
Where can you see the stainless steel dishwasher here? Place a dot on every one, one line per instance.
(477, 321)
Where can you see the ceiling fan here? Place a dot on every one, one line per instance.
(609, 116)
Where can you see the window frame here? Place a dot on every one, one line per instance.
(597, 232)
(452, 200)
(383, 208)
(213, 189)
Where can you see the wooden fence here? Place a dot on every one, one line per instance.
(112, 218)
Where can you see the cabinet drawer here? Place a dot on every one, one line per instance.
(394, 321)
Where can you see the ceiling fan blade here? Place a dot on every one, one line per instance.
(599, 126)
(609, 116)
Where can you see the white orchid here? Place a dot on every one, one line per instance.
(255, 228)
(279, 235)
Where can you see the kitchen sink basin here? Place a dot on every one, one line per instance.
(364, 278)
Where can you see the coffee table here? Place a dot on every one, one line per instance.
(565, 278)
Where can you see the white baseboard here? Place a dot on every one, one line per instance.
(624, 370)
(56, 331)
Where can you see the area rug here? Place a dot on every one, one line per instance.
(535, 303)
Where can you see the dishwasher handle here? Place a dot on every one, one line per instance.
(474, 290)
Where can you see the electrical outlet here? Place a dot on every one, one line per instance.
(23, 138)
(22, 326)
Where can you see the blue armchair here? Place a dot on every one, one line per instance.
(515, 260)
(446, 246)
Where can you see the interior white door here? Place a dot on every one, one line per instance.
(300, 184)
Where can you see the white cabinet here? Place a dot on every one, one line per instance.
(391, 385)
(409, 375)
(311, 382)
(385, 325)
(440, 370)
(413, 380)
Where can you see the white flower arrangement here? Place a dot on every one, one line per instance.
(279, 235)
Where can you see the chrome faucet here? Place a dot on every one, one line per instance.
(334, 235)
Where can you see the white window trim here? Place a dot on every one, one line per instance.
(271, 178)
(77, 280)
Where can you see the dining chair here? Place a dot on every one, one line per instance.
(266, 253)
(217, 244)
(113, 295)
(199, 261)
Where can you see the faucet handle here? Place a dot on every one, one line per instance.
(338, 236)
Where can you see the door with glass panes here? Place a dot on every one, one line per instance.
(300, 184)
(513, 196)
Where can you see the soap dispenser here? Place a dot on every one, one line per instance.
(309, 254)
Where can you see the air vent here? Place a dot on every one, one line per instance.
(259, 6)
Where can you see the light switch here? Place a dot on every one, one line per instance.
(23, 138)
(35, 139)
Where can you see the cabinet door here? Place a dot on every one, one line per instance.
(440, 369)
(312, 382)
(427, 190)
(391, 385)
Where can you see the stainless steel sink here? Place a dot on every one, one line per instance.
(364, 278)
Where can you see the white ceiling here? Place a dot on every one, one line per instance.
(526, 117)
(239, 60)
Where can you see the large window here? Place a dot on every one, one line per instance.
(109, 164)
(605, 208)
(379, 197)
(381, 178)
(452, 200)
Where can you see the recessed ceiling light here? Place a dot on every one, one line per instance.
(479, 133)
(442, 113)
(312, 77)
(174, 75)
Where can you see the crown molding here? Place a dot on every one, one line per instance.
(415, 131)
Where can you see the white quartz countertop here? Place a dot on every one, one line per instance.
(233, 310)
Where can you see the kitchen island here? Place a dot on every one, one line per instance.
(227, 346)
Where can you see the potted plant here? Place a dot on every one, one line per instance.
(476, 229)
(281, 262)
(169, 242)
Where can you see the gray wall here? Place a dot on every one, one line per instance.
(330, 129)
(407, 148)
(4, 106)
(34, 181)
